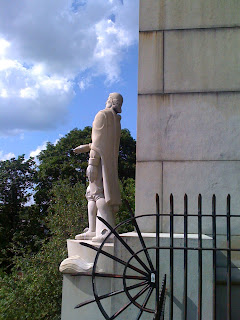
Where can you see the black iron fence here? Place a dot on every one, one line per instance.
(148, 272)
(199, 248)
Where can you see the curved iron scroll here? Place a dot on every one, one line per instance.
(144, 277)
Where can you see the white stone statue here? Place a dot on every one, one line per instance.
(103, 193)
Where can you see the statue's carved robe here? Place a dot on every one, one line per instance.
(106, 132)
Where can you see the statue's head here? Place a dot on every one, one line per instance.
(115, 101)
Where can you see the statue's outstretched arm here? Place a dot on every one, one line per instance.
(83, 148)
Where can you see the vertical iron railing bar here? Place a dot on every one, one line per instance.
(145, 302)
(171, 255)
(124, 243)
(229, 286)
(135, 224)
(200, 257)
(157, 250)
(214, 254)
(129, 303)
(185, 254)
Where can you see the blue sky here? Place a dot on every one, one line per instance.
(59, 60)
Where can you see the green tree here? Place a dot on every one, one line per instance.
(127, 156)
(30, 232)
(16, 182)
(58, 162)
(127, 188)
(33, 291)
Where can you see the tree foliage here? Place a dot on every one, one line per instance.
(127, 156)
(58, 162)
(16, 178)
(16, 182)
(33, 237)
(34, 289)
(127, 188)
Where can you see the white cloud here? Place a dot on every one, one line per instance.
(31, 100)
(43, 146)
(36, 152)
(84, 83)
(49, 46)
(3, 46)
(6, 156)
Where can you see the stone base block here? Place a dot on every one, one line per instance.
(77, 289)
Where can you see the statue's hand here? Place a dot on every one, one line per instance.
(82, 148)
(92, 172)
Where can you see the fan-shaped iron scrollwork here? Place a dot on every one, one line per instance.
(143, 274)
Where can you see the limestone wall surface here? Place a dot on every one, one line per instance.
(188, 137)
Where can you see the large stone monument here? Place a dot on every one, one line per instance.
(188, 105)
(187, 142)
(189, 114)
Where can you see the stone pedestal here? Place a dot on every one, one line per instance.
(77, 289)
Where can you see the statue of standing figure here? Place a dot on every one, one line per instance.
(103, 193)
